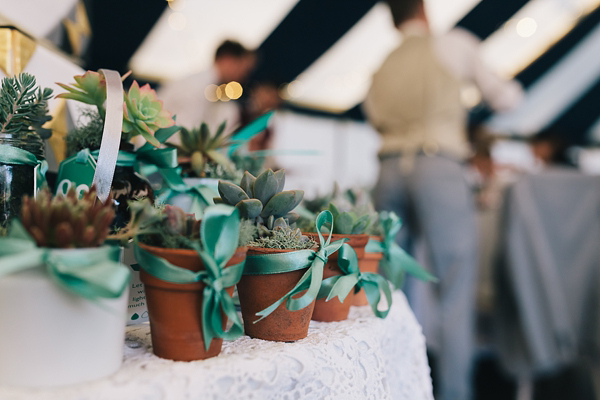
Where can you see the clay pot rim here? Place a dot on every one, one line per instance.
(188, 252)
(377, 238)
(337, 235)
(265, 250)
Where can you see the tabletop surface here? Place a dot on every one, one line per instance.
(360, 358)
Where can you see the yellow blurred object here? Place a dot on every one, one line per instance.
(78, 29)
(59, 127)
(16, 49)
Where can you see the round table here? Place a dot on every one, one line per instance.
(361, 358)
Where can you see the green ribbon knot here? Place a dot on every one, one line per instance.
(264, 264)
(91, 273)
(202, 196)
(351, 278)
(16, 156)
(396, 262)
(219, 232)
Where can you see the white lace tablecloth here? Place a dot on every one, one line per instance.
(361, 358)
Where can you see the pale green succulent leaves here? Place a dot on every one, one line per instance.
(262, 197)
(348, 223)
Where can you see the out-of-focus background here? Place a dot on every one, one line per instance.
(313, 62)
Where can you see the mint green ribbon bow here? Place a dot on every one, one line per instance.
(264, 264)
(219, 233)
(92, 273)
(165, 158)
(14, 155)
(202, 196)
(352, 279)
(396, 262)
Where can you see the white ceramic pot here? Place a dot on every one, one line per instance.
(51, 337)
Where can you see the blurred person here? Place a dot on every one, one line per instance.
(550, 149)
(415, 104)
(187, 98)
(264, 97)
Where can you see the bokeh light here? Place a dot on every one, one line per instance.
(234, 90)
(526, 27)
(177, 21)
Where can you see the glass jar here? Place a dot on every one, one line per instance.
(17, 180)
(128, 185)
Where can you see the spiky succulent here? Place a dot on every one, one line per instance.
(203, 148)
(282, 236)
(349, 222)
(66, 221)
(23, 107)
(262, 199)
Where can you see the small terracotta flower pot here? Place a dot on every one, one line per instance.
(257, 292)
(175, 310)
(334, 310)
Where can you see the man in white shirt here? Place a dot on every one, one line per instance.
(193, 99)
(415, 104)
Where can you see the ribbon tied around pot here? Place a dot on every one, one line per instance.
(17, 156)
(219, 232)
(396, 262)
(91, 273)
(352, 279)
(284, 262)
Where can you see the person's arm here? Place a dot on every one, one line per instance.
(459, 52)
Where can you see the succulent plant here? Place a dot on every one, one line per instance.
(262, 199)
(22, 107)
(143, 113)
(66, 221)
(349, 222)
(159, 225)
(89, 88)
(282, 236)
(203, 148)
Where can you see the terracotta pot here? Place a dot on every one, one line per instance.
(175, 310)
(334, 310)
(258, 292)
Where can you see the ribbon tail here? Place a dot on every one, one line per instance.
(393, 273)
(342, 287)
(301, 285)
(373, 285)
(316, 278)
(400, 258)
(211, 317)
(237, 329)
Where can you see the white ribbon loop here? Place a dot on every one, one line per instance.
(111, 135)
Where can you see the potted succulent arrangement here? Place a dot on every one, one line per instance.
(351, 227)
(143, 116)
(23, 111)
(284, 269)
(203, 161)
(189, 269)
(200, 154)
(61, 289)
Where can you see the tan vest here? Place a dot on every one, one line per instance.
(414, 103)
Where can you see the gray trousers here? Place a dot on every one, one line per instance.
(437, 209)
